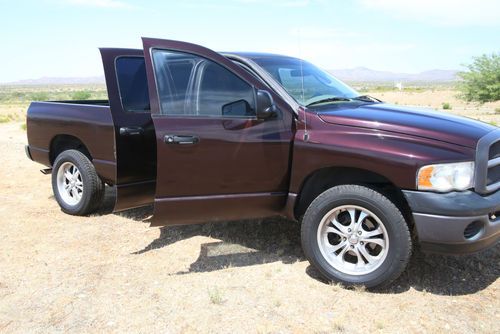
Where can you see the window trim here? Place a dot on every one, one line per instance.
(128, 111)
(193, 116)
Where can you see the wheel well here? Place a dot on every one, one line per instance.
(62, 143)
(326, 178)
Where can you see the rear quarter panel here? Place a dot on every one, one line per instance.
(91, 124)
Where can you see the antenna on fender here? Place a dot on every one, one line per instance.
(306, 134)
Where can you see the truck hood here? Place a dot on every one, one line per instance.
(412, 121)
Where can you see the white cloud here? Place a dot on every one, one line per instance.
(319, 32)
(265, 4)
(441, 12)
(99, 3)
(282, 3)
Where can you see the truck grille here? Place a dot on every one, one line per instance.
(493, 175)
(494, 151)
(488, 163)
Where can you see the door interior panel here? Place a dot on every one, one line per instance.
(135, 138)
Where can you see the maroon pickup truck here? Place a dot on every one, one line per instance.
(209, 136)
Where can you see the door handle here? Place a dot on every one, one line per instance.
(181, 139)
(131, 131)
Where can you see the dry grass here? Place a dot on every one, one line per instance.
(113, 273)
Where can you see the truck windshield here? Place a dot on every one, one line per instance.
(306, 83)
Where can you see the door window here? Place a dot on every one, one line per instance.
(190, 85)
(132, 83)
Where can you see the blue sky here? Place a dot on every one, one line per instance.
(61, 37)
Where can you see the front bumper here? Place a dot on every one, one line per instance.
(457, 222)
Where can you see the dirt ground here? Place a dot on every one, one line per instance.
(113, 273)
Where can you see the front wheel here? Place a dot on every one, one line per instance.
(356, 236)
(76, 185)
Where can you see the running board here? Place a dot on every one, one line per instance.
(46, 171)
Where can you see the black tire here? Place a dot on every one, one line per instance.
(397, 232)
(93, 188)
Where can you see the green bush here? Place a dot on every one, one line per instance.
(446, 106)
(8, 118)
(482, 82)
(81, 95)
(39, 96)
(216, 296)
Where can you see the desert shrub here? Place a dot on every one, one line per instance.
(8, 118)
(446, 106)
(39, 96)
(216, 296)
(481, 83)
(81, 95)
(382, 89)
(497, 110)
(414, 89)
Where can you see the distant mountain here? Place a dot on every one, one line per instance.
(61, 81)
(363, 74)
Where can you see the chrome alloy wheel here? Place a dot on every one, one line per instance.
(353, 240)
(69, 183)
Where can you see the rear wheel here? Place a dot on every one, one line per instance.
(356, 236)
(76, 185)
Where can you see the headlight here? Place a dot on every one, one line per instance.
(446, 177)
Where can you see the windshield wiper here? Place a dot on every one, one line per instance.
(366, 98)
(329, 99)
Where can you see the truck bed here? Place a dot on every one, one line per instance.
(85, 121)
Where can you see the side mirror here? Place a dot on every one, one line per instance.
(265, 105)
(237, 108)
